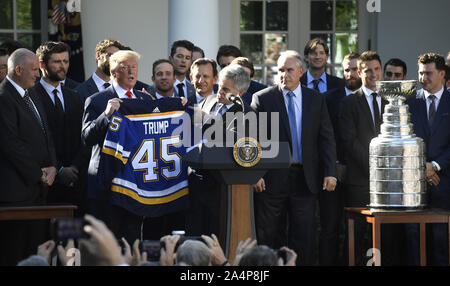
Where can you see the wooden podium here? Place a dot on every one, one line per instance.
(238, 180)
(36, 212)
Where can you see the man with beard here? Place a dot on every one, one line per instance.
(331, 203)
(181, 58)
(316, 55)
(64, 110)
(101, 78)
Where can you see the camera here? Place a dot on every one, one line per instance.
(281, 253)
(66, 228)
(153, 247)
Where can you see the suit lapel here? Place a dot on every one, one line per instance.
(281, 106)
(442, 108)
(422, 112)
(92, 87)
(22, 103)
(306, 101)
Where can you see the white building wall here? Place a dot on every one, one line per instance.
(140, 24)
(408, 28)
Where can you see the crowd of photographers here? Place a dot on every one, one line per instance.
(99, 247)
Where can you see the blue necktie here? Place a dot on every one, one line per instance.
(295, 134)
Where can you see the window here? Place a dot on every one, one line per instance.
(336, 22)
(270, 27)
(263, 35)
(21, 20)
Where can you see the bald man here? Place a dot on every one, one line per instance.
(27, 156)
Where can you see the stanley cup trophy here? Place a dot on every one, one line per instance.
(396, 156)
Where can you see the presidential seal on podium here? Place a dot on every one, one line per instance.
(247, 152)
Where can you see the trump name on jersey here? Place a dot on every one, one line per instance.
(142, 159)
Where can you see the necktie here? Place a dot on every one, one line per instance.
(221, 109)
(129, 94)
(376, 112)
(180, 89)
(31, 108)
(58, 105)
(296, 148)
(316, 84)
(106, 85)
(431, 109)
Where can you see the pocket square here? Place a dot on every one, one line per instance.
(445, 114)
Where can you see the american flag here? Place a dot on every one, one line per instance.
(59, 14)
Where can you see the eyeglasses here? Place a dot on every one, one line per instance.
(127, 68)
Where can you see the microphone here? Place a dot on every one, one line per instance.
(237, 100)
(233, 98)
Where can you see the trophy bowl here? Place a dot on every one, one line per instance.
(397, 89)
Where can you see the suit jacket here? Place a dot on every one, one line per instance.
(437, 142)
(318, 146)
(70, 83)
(252, 89)
(332, 81)
(357, 130)
(95, 124)
(25, 149)
(86, 89)
(334, 104)
(67, 141)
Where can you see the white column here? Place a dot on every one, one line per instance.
(196, 21)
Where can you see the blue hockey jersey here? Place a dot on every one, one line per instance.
(142, 159)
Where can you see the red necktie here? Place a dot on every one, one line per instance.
(129, 94)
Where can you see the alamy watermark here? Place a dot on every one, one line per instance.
(373, 6)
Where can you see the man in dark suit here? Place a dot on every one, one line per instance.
(64, 110)
(332, 203)
(360, 122)
(430, 115)
(98, 109)
(316, 55)
(27, 157)
(305, 124)
(361, 117)
(181, 58)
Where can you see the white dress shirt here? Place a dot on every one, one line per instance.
(49, 89)
(368, 94)
(121, 92)
(100, 82)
